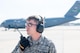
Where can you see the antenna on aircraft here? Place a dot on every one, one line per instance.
(44, 21)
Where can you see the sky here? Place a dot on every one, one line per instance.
(11, 9)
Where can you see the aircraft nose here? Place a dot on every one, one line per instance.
(2, 24)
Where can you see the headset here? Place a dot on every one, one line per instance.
(40, 26)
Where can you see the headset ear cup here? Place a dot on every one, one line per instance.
(40, 28)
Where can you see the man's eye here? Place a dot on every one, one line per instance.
(30, 24)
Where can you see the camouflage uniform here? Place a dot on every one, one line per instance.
(40, 46)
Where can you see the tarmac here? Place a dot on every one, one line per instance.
(65, 38)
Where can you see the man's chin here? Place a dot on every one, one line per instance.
(28, 33)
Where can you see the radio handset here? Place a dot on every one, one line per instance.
(24, 42)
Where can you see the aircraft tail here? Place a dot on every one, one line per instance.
(74, 10)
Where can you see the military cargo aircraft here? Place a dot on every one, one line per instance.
(49, 22)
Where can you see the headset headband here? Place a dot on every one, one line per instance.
(40, 19)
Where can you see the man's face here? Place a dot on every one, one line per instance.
(31, 27)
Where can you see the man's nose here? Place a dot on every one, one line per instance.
(27, 26)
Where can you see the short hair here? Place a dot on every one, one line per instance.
(35, 18)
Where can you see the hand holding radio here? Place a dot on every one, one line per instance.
(24, 43)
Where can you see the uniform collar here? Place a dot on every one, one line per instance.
(39, 41)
